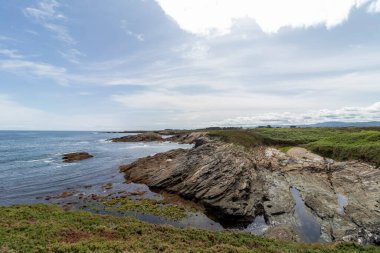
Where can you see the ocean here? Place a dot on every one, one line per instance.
(31, 166)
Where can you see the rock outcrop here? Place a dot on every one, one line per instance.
(72, 157)
(240, 184)
(183, 138)
(144, 137)
(186, 138)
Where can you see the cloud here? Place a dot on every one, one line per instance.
(32, 32)
(196, 110)
(72, 55)
(45, 13)
(16, 116)
(194, 51)
(126, 27)
(184, 79)
(45, 10)
(11, 53)
(374, 6)
(217, 17)
(38, 69)
(344, 114)
(61, 33)
(6, 38)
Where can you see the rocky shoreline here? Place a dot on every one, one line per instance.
(153, 136)
(301, 195)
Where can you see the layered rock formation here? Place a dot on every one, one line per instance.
(239, 184)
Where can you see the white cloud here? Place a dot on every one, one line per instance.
(32, 32)
(6, 38)
(16, 116)
(374, 6)
(38, 69)
(72, 55)
(45, 9)
(11, 53)
(125, 27)
(45, 13)
(218, 16)
(193, 51)
(61, 33)
(345, 114)
(180, 109)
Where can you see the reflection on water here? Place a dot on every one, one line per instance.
(197, 220)
(258, 226)
(342, 202)
(308, 229)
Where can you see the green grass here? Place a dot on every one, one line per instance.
(147, 206)
(364, 145)
(338, 143)
(286, 148)
(47, 228)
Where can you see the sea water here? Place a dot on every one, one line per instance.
(31, 165)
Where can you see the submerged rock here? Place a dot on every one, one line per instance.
(72, 157)
(238, 184)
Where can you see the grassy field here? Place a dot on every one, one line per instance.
(47, 228)
(338, 143)
(146, 206)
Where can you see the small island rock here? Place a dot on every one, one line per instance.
(77, 156)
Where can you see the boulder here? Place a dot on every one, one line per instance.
(72, 157)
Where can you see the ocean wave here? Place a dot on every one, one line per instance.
(104, 141)
(45, 160)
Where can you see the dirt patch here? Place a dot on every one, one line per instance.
(74, 236)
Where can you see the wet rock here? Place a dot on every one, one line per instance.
(72, 157)
(136, 193)
(144, 137)
(282, 233)
(62, 195)
(107, 186)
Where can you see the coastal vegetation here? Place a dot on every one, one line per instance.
(48, 228)
(146, 206)
(337, 143)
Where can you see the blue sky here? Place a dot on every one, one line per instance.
(145, 64)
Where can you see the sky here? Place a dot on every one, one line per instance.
(155, 64)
